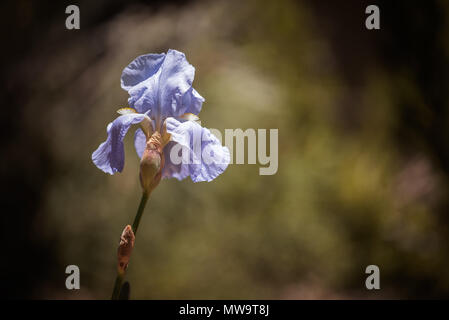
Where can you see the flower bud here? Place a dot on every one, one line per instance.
(125, 248)
(151, 163)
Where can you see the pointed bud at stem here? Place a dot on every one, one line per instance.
(151, 163)
(125, 248)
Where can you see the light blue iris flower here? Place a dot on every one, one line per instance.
(164, 103)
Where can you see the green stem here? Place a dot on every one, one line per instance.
(117, 286)
(142, 204)
(121, 275)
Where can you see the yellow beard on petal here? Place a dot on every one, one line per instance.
(145, 125)
(189, 117)
(126, 110)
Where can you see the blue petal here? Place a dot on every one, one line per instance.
(142, 68)
(162, 84)
(206, 157)
(192, 102)
(110, 155)
(170, 169)
(144, 96)
(140, 142)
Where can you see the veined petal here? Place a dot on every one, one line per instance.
(144, 95)
(162, 84)
(175, 80)
(142, 68)
(110, 155)
(174, 170)
(200, 154)
(192, 102)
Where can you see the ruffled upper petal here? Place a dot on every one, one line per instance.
(162, 84)
(110, 155)
(175, 80)
(192, 102)
(144, 96)
(142, 68)
(200, 154)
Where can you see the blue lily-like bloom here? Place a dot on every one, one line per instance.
(164, 103)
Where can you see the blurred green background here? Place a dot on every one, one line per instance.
(363, 151)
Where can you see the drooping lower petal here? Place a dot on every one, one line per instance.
(198, 153)
(174, 169)
(110, 155)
